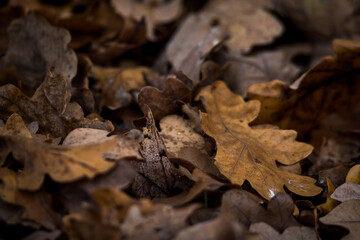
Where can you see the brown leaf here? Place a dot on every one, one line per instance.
(165, 102)
(155, 177)
(354, 174)
(203, 182)
(37, 205)
(155, 13)
(243, 208)
(266, 232)
(15, 126)
(249, 24)
(177, 133)
(250, 154)
(194, 40)
(346, 192)
(35, 47)
(49, 106)
(62, 164)
(329, 87)
(347, 215)
(330, 203)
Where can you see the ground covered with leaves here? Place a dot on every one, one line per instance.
(171, 119)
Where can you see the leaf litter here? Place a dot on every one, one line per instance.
(179, 119)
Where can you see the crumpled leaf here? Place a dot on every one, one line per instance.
(35, 47)
(347, 215)
(242, 207)
(245, 153)
(249, 25)
(346, 191)
(177, 133)
(190, 45)
(266, 232)
(164, 102)
(330, 203)
(63, 164)
(37, 205)
(329, 87)
(155, 13)
(155, 176)
(49, 106)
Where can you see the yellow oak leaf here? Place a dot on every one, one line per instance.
(245, 153)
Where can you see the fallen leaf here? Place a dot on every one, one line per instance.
(15, 126)
(346, 191)
(203, 182)
(242, 207)
(249, 24)
(323, 90)
(63, 164)
(330, 203)
(266, 232)
(29, 50)
(177, 133)
(155, 177)
(250, 154)
(347, 215)
(37, 205)
(354, 174)
(155, 13)
(164, 102)
(193, 41)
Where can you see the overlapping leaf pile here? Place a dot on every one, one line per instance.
(179, 119)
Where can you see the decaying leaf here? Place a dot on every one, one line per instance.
(195, 39)
(155, 13)
(35, 47)
(243, 208)
(37, 205)
(346, 191)
(61, 163)
(177, 133)
(250, 154)
(248, 24)
(266, 232)
(329, 87)
(15, 126)
(347, 215)
(49, 106)
(155, 177)
(164, 102)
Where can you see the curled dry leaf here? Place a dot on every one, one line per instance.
(330, 203)
(164, 102)
(194, 40)
(250, 154)
(177, 133)
(62, 163)
(15, 126)
(266, 232)
(347, 215)
(354, 174)
(249, 25)
(49, 106)
(155, 13)
(35, 47)
(37, 205)
(155, 176)
(346, 191)
(329, 87)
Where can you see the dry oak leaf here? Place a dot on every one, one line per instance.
(249, 24)
(346, 191)
(354, 174)
(15, 126)
(347, 215)
(155, 12)
(37, 205)
(250, 154)
(62, 163)
(266, 232)
(329, 87)
(164, 102)
(330, 203)
(176, 133)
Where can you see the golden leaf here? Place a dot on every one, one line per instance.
(250, 154)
